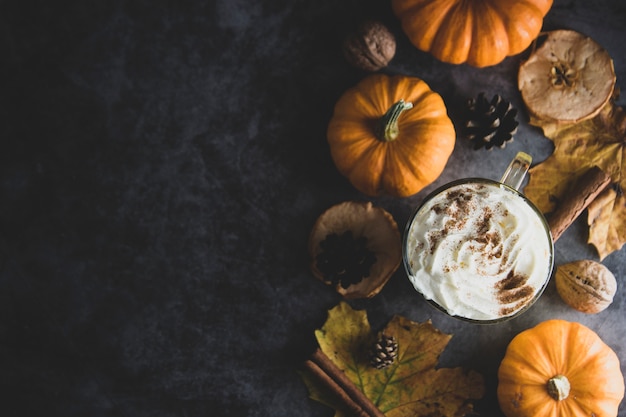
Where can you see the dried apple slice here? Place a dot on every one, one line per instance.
(569, 78)
(355, 247)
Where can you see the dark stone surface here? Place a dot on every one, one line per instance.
(162, 165)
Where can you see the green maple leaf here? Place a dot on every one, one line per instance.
(412, 385)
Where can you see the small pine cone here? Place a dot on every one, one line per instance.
(490, 123)
(384, 352)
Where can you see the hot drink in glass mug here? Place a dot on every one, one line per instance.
(478, 249)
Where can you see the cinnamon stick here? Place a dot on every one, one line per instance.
(583, 192)
(336, 380)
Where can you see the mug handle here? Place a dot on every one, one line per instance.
(516, 171)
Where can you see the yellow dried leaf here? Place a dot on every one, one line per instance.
(599, 141)
(412, 385)
(606, 218)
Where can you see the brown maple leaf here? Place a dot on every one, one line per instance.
(601, 142)
(412, 385)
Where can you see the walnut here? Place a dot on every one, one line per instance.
(370, 47)
(587, 286)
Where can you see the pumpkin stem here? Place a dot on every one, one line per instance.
(558, 387)
(388, 124)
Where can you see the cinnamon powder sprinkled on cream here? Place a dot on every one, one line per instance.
(479, 251)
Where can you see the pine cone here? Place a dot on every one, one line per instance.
(490, 123)
(384, 352)
(345, 260)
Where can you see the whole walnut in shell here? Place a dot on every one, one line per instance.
(586, 285)
(370, 47)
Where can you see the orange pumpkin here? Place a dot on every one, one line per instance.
(478, 32)
(559, 369)
(390, 135)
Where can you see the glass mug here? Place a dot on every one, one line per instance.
(478, 249)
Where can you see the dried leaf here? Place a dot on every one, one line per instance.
(412, 385)
(363, 220)
(606, 218)
(600, 141)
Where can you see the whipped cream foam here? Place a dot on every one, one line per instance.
(479, 251)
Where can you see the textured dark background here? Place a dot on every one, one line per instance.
(162, 164)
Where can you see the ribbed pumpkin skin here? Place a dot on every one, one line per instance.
(477, 32)
(401, 167)
(559, 347)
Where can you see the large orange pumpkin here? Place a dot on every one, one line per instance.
(559, 369)
(390, 135)
(478, 32)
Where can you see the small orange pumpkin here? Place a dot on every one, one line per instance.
(479, 32)
(559, 369)
(390, 135)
